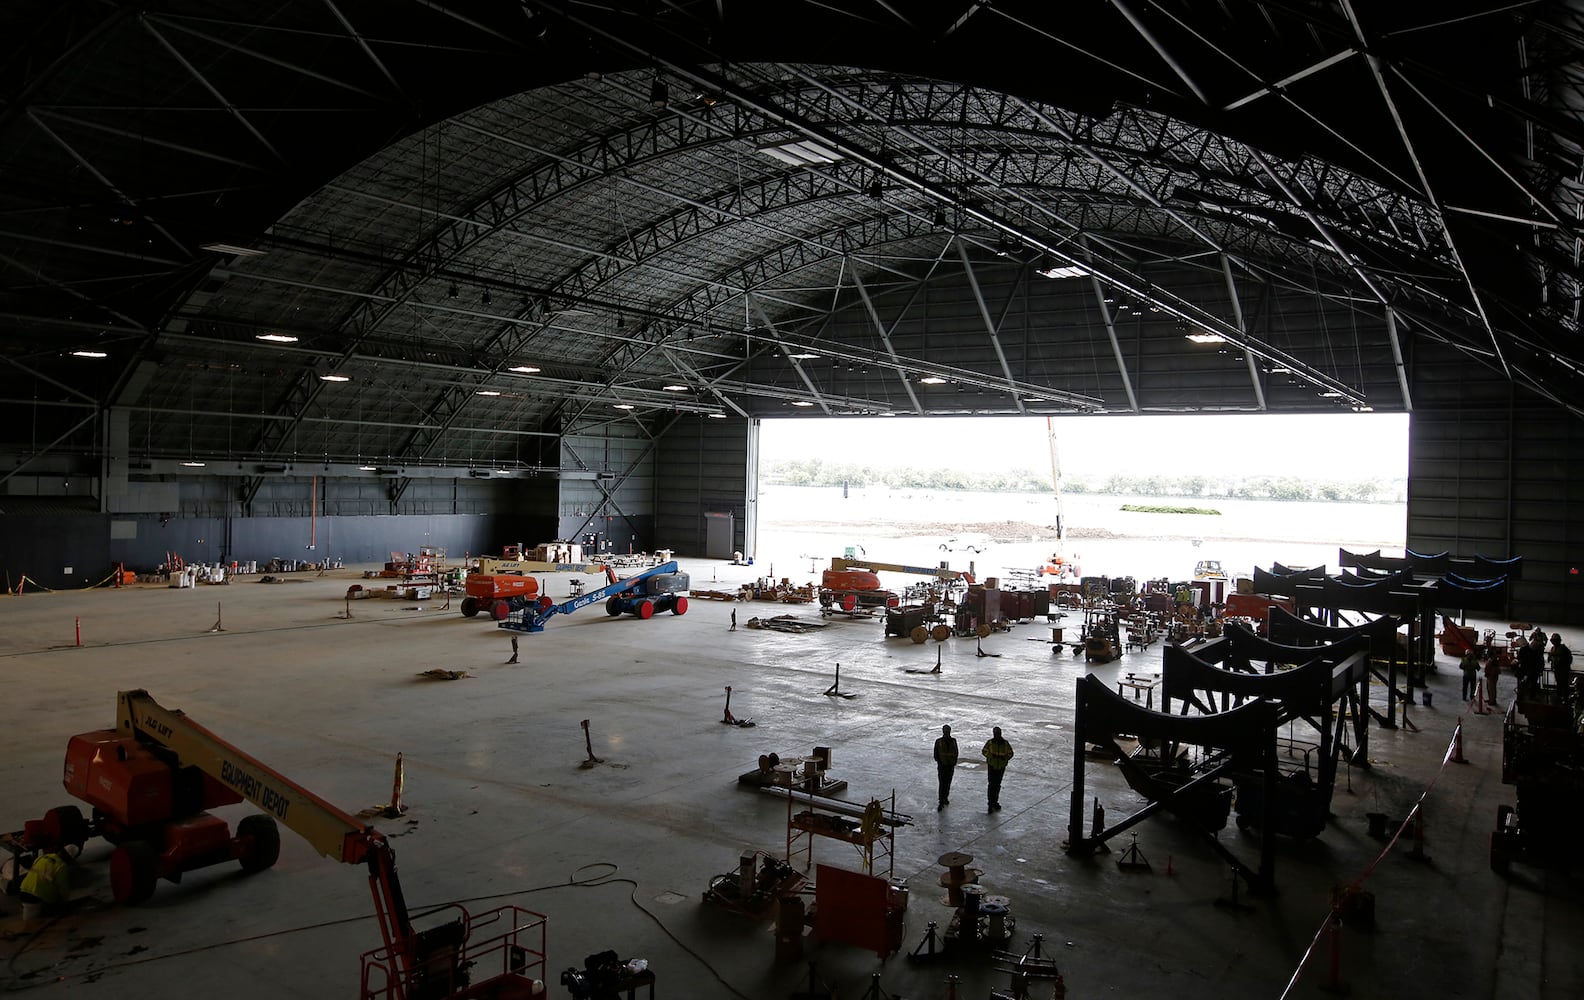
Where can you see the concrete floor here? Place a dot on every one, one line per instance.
(618, 854)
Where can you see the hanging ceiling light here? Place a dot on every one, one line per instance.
(453, 291)
(485, 297)
(659, 93)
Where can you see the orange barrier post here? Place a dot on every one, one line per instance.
(397, 781)
(1418, 852)
(79, 630)
(1334, 983)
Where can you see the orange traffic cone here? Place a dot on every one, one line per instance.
(1457, 743)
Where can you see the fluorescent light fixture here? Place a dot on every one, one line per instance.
(1063, 271)
(674, 388)
(804, 356)
(277, 338)
(1330, 394)
(332, 377)
(624, 406)
(486, 392)
(1279, 370)
(524, 369)
(716, 416)
(368, 468)
(801, 153)
(1207, 338)
(89, 354)
(888, 413)
(232, 249)
(933, 380)
(801, 402)
(193, 465)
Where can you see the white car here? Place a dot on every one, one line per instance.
(966, 543)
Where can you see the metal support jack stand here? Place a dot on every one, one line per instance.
(875, 992)
(1027, 969)
(1232, 902)
(835, 691)
(731, 720)
(588, 741)
(915, 670)
(1133, 860)
(979, 649)
(926, 951)
(218, 627)
(817, 990)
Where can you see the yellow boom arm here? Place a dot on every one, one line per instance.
(335, 834)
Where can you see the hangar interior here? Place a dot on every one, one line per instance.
(482, 272)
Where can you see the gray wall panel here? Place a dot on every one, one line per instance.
(705, 468)
(1495, 473)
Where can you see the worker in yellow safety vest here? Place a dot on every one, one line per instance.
(997, 752)
(48, 882)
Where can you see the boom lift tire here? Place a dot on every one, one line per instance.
(65, 827)
(262, 840)
(644, 610)
(613, 606)
(940, 633)
(848, 602)
(134, 868)
(500, 610)
(470, 607)
(919, 635)
(679, 606)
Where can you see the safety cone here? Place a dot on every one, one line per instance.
(1479, 697)
(1457, 743)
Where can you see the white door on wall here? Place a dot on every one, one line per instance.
(719, 529)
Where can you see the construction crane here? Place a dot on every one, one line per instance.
(659, 588)
(150, 782)
(1061, 530)
(840, 564)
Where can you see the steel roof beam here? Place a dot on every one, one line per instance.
(1116, 343)
(1237, 314)
(885, 338)
(786, 352)
(214, 91)
(992, 327)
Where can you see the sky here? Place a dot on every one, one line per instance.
(1343, 447)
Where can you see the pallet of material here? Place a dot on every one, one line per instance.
(715, 595)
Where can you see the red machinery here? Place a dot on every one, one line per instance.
(853, 592)
(487, 591)
(149, 782)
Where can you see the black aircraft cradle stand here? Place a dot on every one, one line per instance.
(835, 691)
(730, 719)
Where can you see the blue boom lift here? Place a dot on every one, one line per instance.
(659, 588)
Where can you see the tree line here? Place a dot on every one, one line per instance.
(815, 472)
